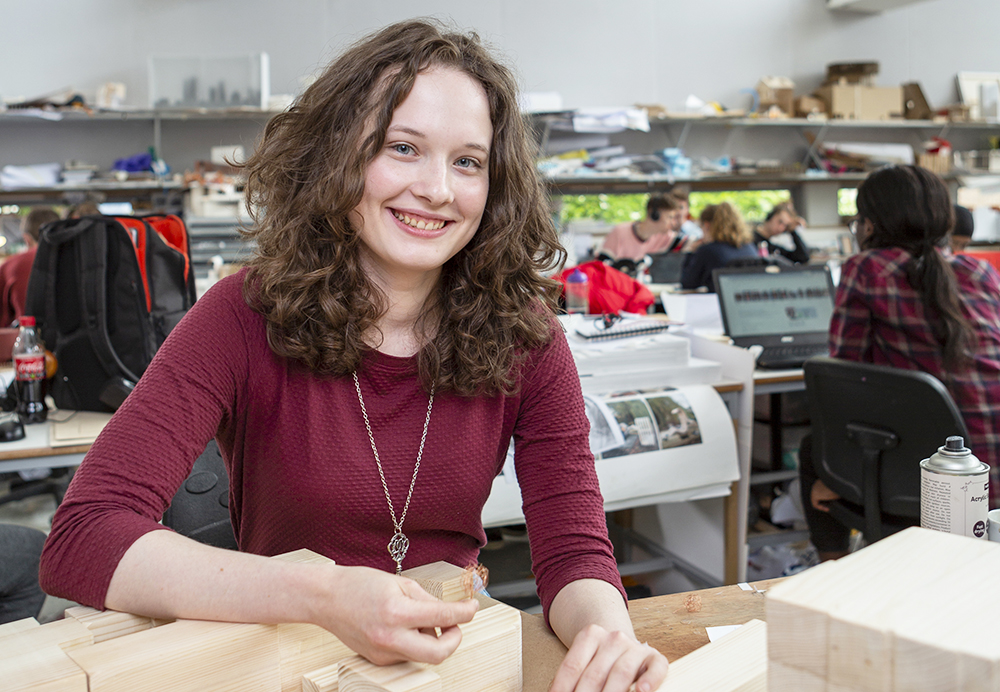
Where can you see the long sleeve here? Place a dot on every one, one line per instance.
(144, 453)
(851, 324)
(562, 501)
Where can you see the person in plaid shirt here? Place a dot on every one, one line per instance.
(906, 302)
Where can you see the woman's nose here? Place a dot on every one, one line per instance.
(434, 183)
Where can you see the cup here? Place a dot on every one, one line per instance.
(993, 532)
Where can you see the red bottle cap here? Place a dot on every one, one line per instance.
(26, 321)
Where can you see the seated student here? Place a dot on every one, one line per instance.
(726, 239)
(82, 209)
(781, 219)
(15, 271)
(655, 233)
(689, 230)
(961, 234)
(904, 301)
(397, 307)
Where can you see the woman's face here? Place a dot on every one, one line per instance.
(425, 191)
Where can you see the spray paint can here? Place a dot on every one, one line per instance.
(954, 491)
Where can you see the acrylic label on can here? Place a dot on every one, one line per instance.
(954, 503)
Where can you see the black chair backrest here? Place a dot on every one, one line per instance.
(872, 425)
(200, 508)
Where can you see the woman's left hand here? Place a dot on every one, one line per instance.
(609, 661)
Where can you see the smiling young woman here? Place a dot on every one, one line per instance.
(364, 378)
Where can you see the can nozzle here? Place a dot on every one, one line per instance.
(955, 444)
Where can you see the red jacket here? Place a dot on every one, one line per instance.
(610, 290)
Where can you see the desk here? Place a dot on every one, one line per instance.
(776, 382)
(662, 621)
(35, 451)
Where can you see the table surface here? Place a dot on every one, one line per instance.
(673, 624)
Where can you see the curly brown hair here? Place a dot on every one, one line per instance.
(493, 303)
(726, 224)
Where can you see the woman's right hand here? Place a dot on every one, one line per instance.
(388, 619)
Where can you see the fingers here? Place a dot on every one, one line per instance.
(423, 610)
(602, 661)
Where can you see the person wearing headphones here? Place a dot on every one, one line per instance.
(781, 219)
(655, 233)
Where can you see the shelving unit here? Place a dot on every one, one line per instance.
(814, 192)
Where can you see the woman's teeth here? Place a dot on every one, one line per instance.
(419, 224)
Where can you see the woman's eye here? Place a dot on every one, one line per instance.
(466, 162)
(404, 149)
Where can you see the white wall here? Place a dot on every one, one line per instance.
(595, 52)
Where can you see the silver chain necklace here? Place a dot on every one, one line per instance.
(399, 543)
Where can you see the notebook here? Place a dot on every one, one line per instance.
(784, 309)
(601, 327)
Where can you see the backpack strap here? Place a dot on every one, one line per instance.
(91, 258)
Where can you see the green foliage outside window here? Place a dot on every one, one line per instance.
(614, 209)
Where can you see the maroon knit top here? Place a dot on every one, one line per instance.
(302, 473)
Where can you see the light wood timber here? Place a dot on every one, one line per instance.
(321, 680)
(441, 580)
(735, 663)
(784, 678)
(185, 656)
(109, 624)
(41, 669)
(18, 626)
(355, 674)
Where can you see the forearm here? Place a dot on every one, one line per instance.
(588, 602)
(167, 575)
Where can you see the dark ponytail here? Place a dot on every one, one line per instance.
(909, 207)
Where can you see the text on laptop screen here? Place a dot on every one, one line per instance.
(788, 302)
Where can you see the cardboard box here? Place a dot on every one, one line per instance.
(776, 91)
(855, 102)
(809, 105)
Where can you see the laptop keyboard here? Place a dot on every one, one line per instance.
(790, 356)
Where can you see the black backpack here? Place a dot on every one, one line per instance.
(106, 291)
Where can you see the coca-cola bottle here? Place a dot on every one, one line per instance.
(29, 373)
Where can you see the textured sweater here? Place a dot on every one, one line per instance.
(302, 473)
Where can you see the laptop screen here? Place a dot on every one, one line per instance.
(775, 300)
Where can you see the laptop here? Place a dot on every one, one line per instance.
(666, 267)
(785, 309)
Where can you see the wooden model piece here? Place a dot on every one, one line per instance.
(35, 658)
(888, 618)
(735, 663)
(355, 674)
(106, 651)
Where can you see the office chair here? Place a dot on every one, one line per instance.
(872, 425)
(200, 508)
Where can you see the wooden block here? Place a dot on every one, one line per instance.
(860, 639)
(442, 580)
(18, 626)
(489, 657)
(783, 678)
(185, 656)
(735, 663)
(860, 653)
(304, 555)
(356, 674)
(801, 611)
(797, 617)
(942, 642)
(321, 680)
(109, 624)
(304, 648)
(66, 634)
(487, 660)
(41, 669)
